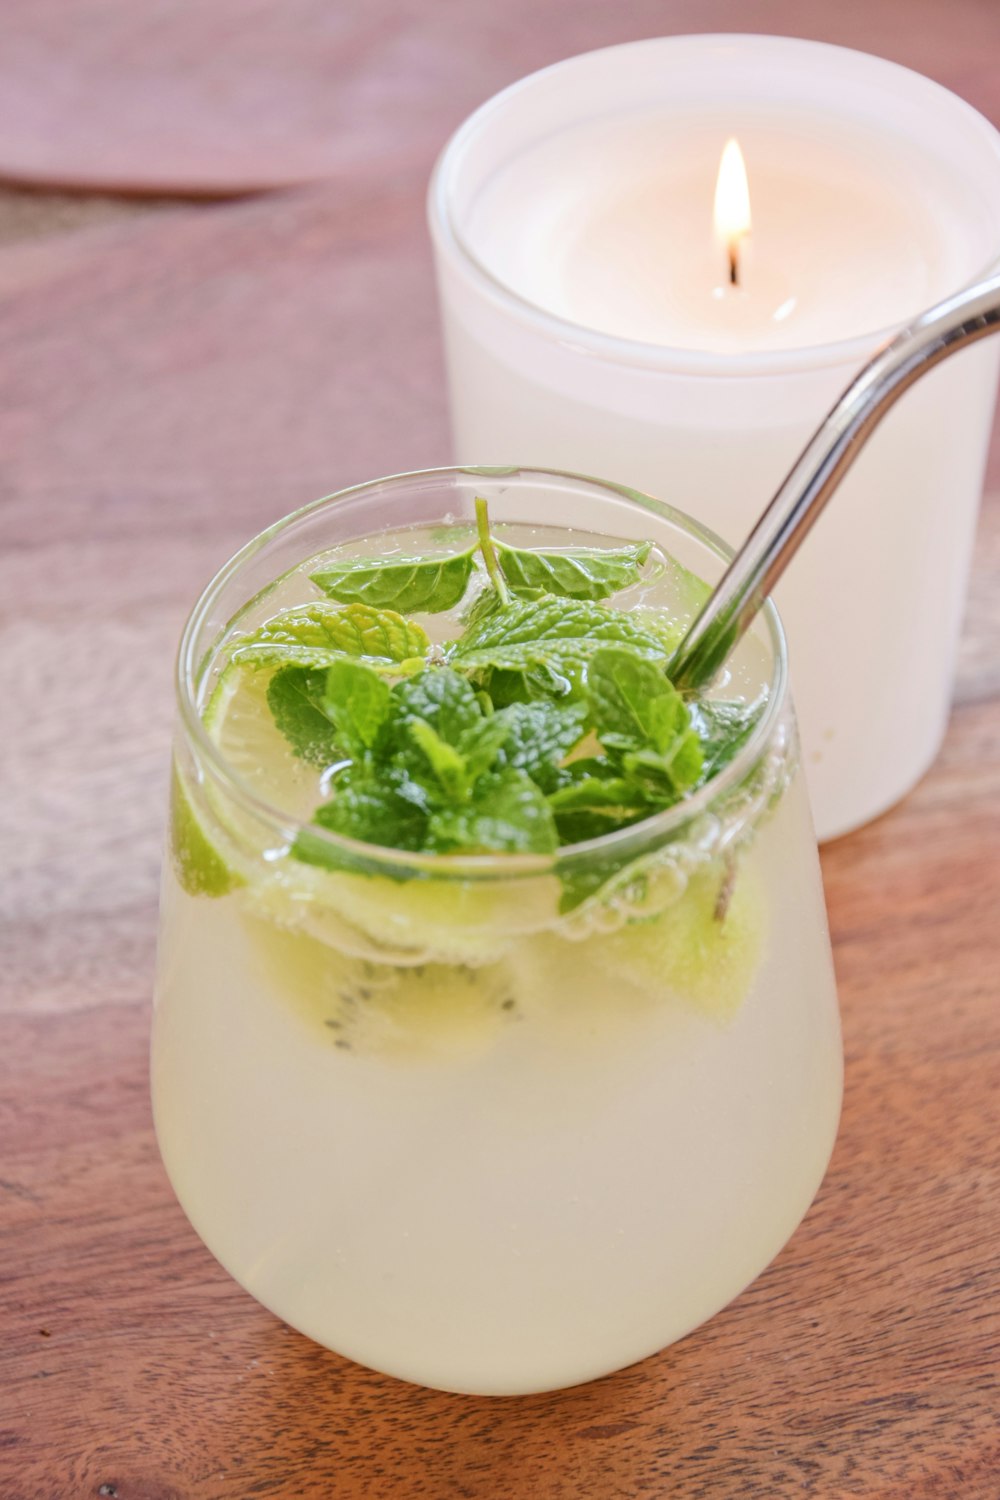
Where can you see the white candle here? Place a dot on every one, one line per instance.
(611, 227)
(591, 324)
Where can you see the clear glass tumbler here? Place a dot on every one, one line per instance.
(432, 1121)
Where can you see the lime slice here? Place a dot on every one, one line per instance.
(689, 954)
(201, 869)
(215, 842)
(703, 951)
(241, 724)
(447, 920)
(406, 922)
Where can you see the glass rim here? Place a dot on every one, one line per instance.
(636, 353)
(192, 661)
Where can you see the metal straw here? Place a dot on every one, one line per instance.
(795, 509)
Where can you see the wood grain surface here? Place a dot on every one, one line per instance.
(230, 96)
(172, 383)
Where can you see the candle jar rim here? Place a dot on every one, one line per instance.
(610, 348)
(197, 656)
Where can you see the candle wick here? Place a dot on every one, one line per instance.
(734, 263)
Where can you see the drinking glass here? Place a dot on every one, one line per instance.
(492, 1123)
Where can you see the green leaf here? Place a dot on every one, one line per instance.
(584, 573)
(411, 584)
(556, 633)
(639, 714)
(472, 744)
(481, 743)
(584, 766)
(315, 635)
(634, 705)
(535, 685)
(594, 799)
(294, 695)
(578, 827)
(538, 735)
(445, 762)
(507, 814)
(445, 699)
(376, 807)
(357, 702)
(723, 729)
(666, 777)
(591, 793)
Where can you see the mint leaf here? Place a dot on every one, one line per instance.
(294, 695)
(666, 777)
(639, 714)
(538, 735)
(481, 743)
(445, 762)
(462, 742)
(549, 632)
(594, 799)
(584, 573)
(723, 729)
(445, 699)
(466, 750)
(374, 807)
(579, 827)
(314, 635)
(536, 684)
(616, 794)
(634, 705)
(413, 584)
(357, 702)
(506, 814)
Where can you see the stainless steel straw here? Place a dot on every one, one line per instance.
(787, 521)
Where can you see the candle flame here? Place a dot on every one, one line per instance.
(732, 205)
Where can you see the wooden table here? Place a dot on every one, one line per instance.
(172, 381)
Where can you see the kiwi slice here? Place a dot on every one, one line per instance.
(362, 1006)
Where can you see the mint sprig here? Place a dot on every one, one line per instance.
(644, 724)
(444, 699)
(550, 720)
(432, 584)
(433, 768)
(506, 813)
(374, 806)
(539, 735)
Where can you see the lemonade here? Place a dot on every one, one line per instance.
(493, 1121)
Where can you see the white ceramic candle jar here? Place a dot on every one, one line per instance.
(591, 324)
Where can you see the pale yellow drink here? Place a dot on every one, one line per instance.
(469, 1141)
